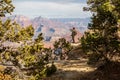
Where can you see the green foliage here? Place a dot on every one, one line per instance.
(6, 7)
(30, 52)
(35, 58)
(24, 34)
(13, 32)
(40, 38)
(64, 45)
(108, 6)
(102, 38)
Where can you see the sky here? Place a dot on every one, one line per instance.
(51, 8)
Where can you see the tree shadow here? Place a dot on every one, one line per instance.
(65, 75)
(108, 71)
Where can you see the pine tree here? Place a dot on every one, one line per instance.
(65, 47)
(6, 6)
(29, 53)
(102, 39)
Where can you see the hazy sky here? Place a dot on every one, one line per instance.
(51, 8)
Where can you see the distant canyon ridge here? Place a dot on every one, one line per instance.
(52, 28)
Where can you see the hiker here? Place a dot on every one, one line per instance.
(73, 34)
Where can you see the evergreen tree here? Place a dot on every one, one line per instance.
(29, 54)
(102, 39)
(65, 47)
(6, 6)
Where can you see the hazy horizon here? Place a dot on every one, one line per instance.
(51, 8)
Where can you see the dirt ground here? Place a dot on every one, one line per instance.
(71, 69)
(80, 70)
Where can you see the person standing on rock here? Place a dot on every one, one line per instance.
(73, 34)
